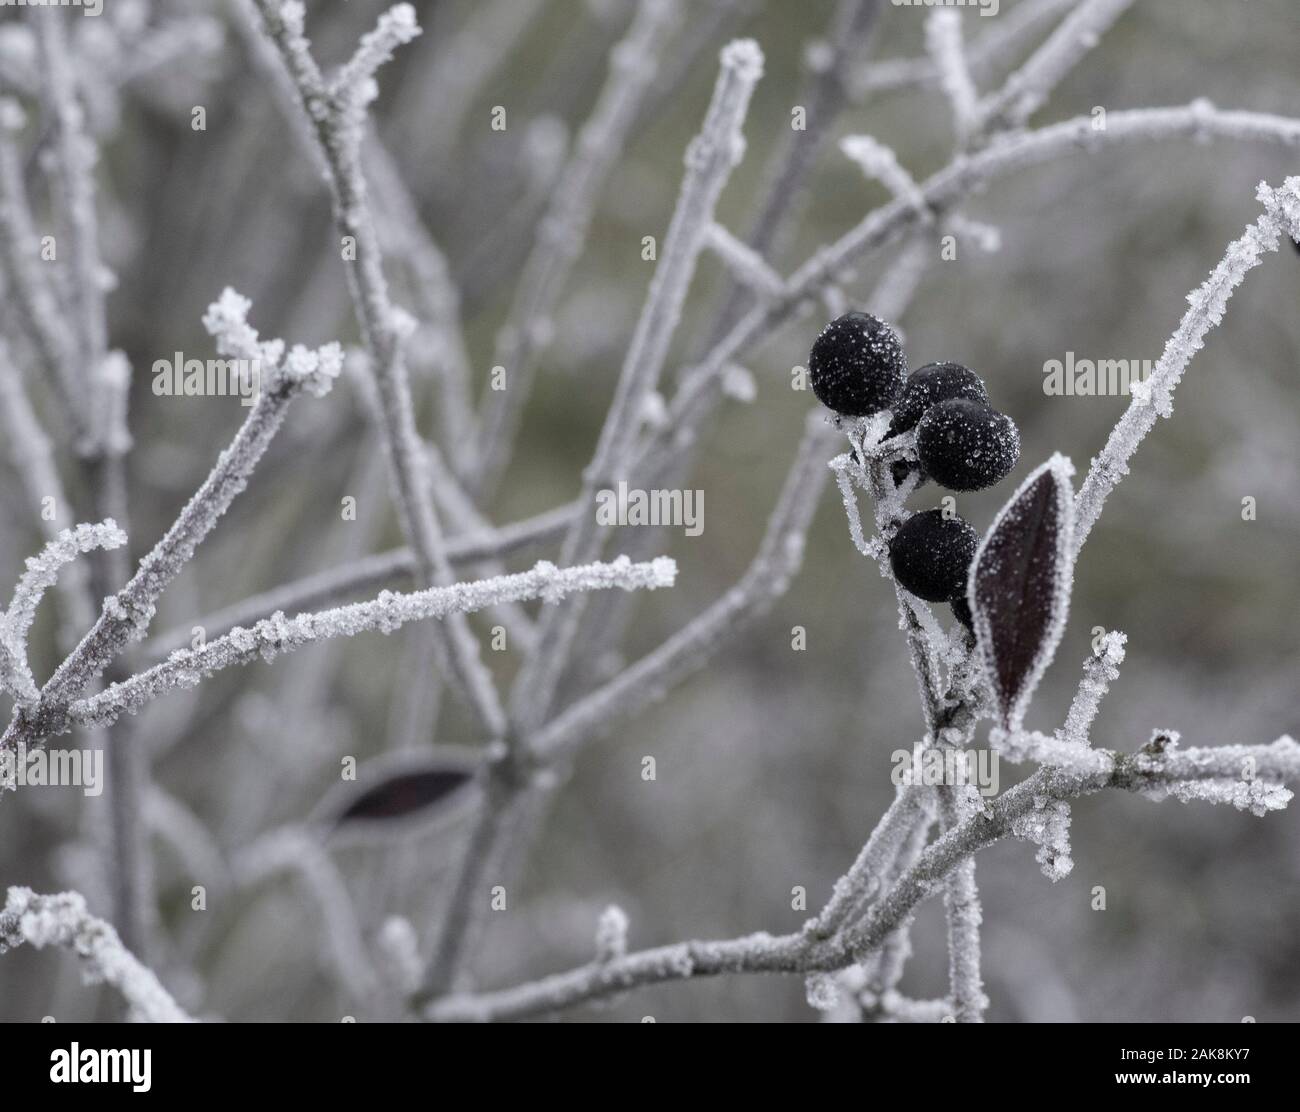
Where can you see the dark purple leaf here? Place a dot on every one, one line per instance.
(1019, 587)
(410, 794)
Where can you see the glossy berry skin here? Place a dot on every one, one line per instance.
(931, 384)
(931, 554)
(966, 446)
(857, 365)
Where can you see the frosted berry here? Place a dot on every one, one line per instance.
(857, 365)
(931, 384)
(931, 554)
(966, 446)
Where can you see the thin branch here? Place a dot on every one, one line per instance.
(387, 613)
(28, 282)
(75, 159)
(1006, 36)
(746, 266)
(1026, 90)
(1009, 154)
(370, 571)
(62, 920)
(793, 953)
(1099, 671)
(562, 231)
(709, 161)
(42, 573)
(337, 116)
(33, 459)
(961, 903)
(943, 40)
(1154, 397)
(776, 562)
(127, 614)
(500, 826)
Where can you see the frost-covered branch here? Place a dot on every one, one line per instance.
(942, 191)
(869, 874)
(650, 678)
(336, 113)
(711, 157)
(1006, 36)
(961, 903)
(63, 920)
(369, 571)
(75, 157)
(1099, 671)
(32, 456)
(390, 611)
(879, 163)
(1151, 773)
(437, 300)
(746, 265)
(943, 39)
(27, 281)
(127, 614)
(41, 574)
(1026, 90)
(562, 230)
(1154, 397)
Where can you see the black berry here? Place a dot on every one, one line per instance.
(931, 554)
(857, 365)
(900, 469)
(966, 446)
(931, 384)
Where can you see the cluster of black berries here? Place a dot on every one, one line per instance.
(857, 367)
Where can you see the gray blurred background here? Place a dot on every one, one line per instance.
(772, 765)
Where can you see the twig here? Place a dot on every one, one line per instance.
(792, 953)
(1026, 90)
(562, 232)
(337, 115)
(1154, 397)
(127, 614)
(944, 42)
(369, 571)
(1009, 154)
(709, 162)
(389, 612)
(62, 920)
(1006, 35)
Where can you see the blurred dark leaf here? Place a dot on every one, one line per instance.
(410, 793)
